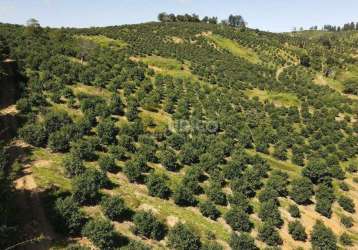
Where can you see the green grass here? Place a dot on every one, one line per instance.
(103, 41)
(279, 98)
(47, 170)
(235, 48)
(90, 90)
(170, 67)
(135, 196)
(162, 62)
(292, 169)
(333, 84)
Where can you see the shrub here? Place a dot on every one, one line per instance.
(269, 235)
(242, 242)
(77, 247)
(316, 170)
(54, 121)
(135, 245)
(301, 190)
(168, 159)
(344, 186)
(238, 220)
(212, 246)
(269, 213)
(73, 165)
(346, 240)
(59, 141)
(347, 204)
(33, 134)
(114, 208)
(241, 201)
(176, 141)
(347, 221)
(107, 163)
(216, 195)
(297, 231)
(69, 218)
(84, 149)
(322, 237)
(181, 237)
(147, 225)
(324, 207)
(268, 194)
(294, 211)
(183, 196)
(85, 187)
(23, 105)
(157, 186)
(101, 233)
(188, 155)
(133, 169)
(107, 131)
(119, 152)
(208, 209)
(352, 168)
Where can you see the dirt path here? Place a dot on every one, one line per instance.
(31, 212)
(280, 71)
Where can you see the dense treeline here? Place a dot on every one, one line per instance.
(233, 20)
(345, 27)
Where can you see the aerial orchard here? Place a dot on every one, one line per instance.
(110, 117)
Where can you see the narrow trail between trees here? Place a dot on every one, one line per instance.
(280, 71)
(31, 212)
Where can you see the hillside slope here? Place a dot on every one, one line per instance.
(189, 136)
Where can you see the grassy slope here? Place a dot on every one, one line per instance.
(103, 41)
(235, 48)
(278, 98)
(48, 170)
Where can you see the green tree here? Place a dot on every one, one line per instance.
(269, 212)
(107, 163)
(85, 187)
(157, 186)
(101, 233)
(301, 190)
(136, 245)
(181, 237)
(346, 239)
(346, 203)
(215, 194)
(241, 201)
(85, 149)
(33, 134)
(183, 196)
(242, 242)
(269, 235)
(322, 237)
(347, 221)
(316, 170)
(297, 231)
(294, 211)
(115, 208)
(168, 159)
(73, 165)
(69, 218)
(107, 131)
(146, 224)
(208, 209)
(238, 220)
